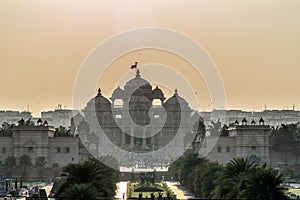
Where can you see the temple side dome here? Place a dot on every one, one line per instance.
(117, 93)
(99, 102)
(158, 94)
(176, 103)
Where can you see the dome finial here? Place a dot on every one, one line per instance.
(99, 91)
(176, 91)
(137, 73)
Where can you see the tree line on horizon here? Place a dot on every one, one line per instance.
(24, 162)
(6, 130)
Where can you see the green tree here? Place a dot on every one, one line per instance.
(25, 162)
(264, 183)
(224, 131)
(232, 180)
(6, 129)
(183, 169)
(10, 162)
(40, 163)
(62, 132)
(175, 168)
(204, 180)
(79, 192)
(286, 139)
(215, 128)
(92, 172)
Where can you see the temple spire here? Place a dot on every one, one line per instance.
(176, 92)
(99, 91)
(137, 75)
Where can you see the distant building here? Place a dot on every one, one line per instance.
(243, 140)
(13, 117)
(272, 117)
(55, 118)
(58, 117)
(40, 140)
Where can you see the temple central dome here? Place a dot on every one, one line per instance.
(136, 82)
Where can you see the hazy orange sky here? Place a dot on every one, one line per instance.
(255, 44)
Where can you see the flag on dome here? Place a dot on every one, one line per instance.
(134, 66)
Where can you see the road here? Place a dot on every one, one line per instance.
(180, 191)
(121, 190)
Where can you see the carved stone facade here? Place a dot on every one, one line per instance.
(138, 118)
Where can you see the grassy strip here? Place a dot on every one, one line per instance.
(295, 191)
(128, 189)
(167, 189)
(132, 194)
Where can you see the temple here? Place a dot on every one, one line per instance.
(138, 118)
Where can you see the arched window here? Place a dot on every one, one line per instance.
(118, 116)
(118, 103)
(156, 102)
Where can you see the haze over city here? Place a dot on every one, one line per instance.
(254, 44)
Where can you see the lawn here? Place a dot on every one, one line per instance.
(145, 194)
(295, 191)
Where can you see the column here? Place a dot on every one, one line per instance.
(153, 139)
(131, 138)
(123, 141)
(144, 139)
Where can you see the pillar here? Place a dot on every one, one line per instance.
(131, 139)
(123, 141)
(144, 144)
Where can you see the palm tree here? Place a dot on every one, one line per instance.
(91, 172)
(25, 162)
(6, 129)
(80, 191)
(62, 132)
(40, 163)
(232, 179)
(10, 162)
(264, 184)
(215, 128)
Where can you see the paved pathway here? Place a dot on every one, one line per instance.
(180, 191)
(121, 189)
